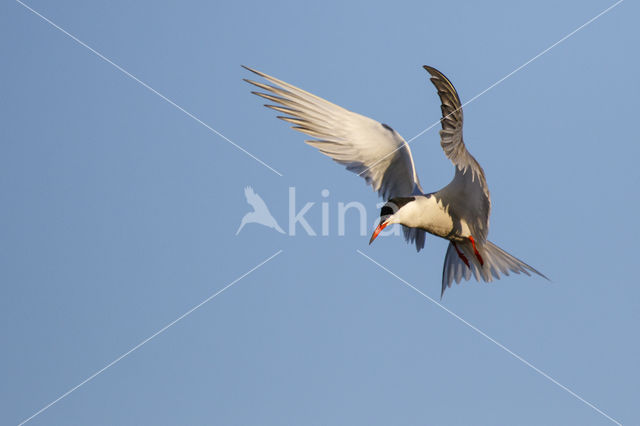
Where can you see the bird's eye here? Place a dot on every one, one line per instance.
(387, 210)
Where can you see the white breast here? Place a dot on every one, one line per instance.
(426, 213)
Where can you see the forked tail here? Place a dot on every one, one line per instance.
(497, 262)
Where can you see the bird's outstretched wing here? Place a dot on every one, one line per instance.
(469, 186)
(363, 145)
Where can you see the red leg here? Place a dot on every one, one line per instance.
(475, 250)
(461, 255)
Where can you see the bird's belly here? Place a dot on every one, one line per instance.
(441, 225)
(438, 222)
(461, 231)
(431, 215)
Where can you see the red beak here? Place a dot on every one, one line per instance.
(378, 230)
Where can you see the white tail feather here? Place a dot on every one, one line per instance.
(497, 262)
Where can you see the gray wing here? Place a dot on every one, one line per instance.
(468, 193)
(365, 146)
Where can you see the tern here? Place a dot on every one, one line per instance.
(459, 212)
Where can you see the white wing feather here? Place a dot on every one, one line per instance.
(362, 144)
(372, 150)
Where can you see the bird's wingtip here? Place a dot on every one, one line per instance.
(253, 70)
(431, 70)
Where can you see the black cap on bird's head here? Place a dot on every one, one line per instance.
(388, 210)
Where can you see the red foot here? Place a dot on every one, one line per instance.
(475, 250)
(461, 256)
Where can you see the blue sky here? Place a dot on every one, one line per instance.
(118, 214)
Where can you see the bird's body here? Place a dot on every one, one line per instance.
(428, 213)
(459, 212)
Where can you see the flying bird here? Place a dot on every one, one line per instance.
(260, 213)
(459, 212)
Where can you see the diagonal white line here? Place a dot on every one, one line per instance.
(491, 339)
(522, 66)
(133, 77)
(498, 82)
(136, 347)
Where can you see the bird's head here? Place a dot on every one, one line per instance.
(392, 212)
